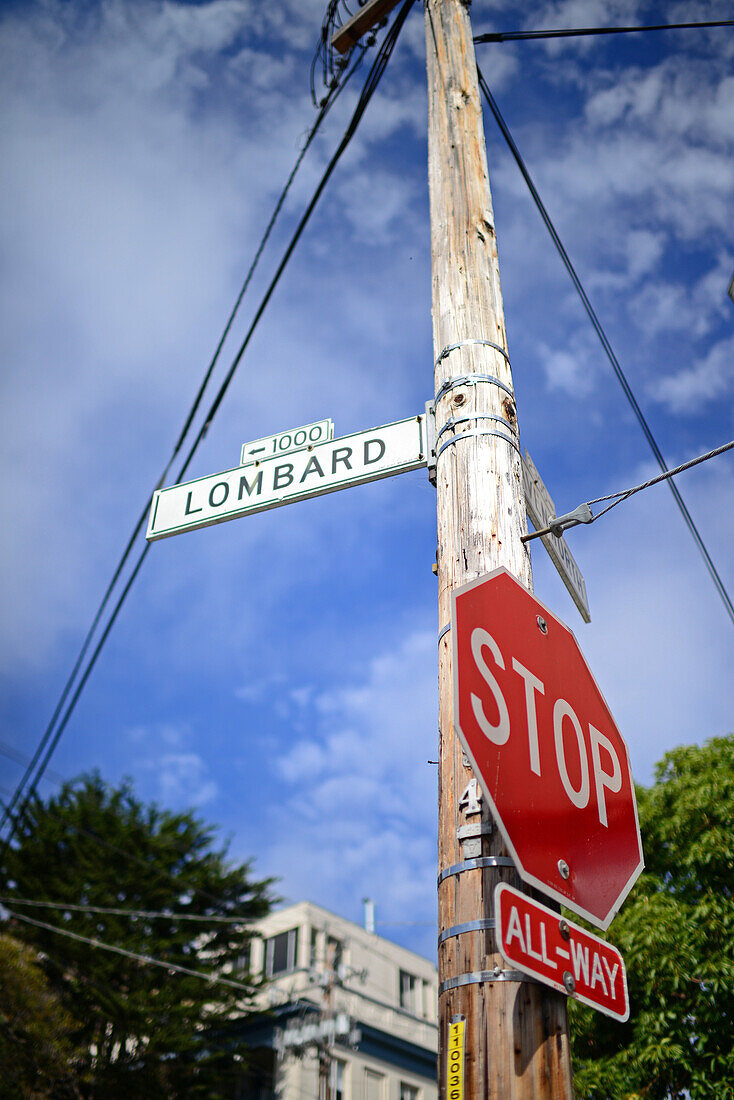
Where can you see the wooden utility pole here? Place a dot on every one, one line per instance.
(515, 1032)
(509, 1039)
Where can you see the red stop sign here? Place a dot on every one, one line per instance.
(550, 758)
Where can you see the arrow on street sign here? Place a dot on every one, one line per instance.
(283, 479)
(558, 953)
(284, 442)
(541, 509)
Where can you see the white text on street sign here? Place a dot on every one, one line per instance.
(545, 747)
(541, 508)
(285, 442)
(540, 942)
(283, 479)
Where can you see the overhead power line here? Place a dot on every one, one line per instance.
(213, 979)
(577, 32)
(325, 107)
(609, 351)
(560, 523)
(373, 79)
(147, 914)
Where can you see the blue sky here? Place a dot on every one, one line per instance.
(279, 672)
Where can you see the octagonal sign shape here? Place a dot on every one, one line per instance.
(543, 743)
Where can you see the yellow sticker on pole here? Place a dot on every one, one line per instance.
(455, 1076)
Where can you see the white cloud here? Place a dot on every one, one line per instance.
(679, 305)
(560, 14)
(171, 771)
(374, 203)
(706, 381)
(565, 371)
(183, 780)
(359, 795)
(644, 249)
(690, 100)
(165, 733)
(572, 370)
(132, 207)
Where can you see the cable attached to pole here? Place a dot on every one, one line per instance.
(609, 351)
(325, 107)
(371, 83)
(577, 32)
(583, 513)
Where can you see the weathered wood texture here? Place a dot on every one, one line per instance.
(516, 1033)
(362, 21)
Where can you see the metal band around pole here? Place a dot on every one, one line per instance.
(442, 631)
(482, 925)
(477, 976)
(478, 431)
(474, 864)
(470, 380)
(469, 343)
(452, 421)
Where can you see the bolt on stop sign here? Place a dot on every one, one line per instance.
(551, 761)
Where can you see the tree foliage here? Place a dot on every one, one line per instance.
(676, 933)
(146, 1032)
(37, 1054)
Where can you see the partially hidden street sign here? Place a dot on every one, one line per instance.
(541, 509)
(540, 942)
(284, 442)
(280, 478)
(545, 747)
(304, 1034)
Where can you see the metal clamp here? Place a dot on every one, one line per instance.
(442, 631)
(479, 431)
(464, 343)
(474, 864)
(558, 524)
(470, 380)
(454, 420)
(484, 924)
(430, 438)
(477, 976)
(470, 838)
(470, 832)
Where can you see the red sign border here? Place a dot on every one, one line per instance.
(504, 887)
(532, 880)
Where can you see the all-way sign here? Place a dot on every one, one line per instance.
(279, 479)
(559, 953)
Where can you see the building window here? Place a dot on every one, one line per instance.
(408, 985)
(374, 1085)
(408, 1092)
(427, 1000)
(281, 952)
(337, 1078)
(313, 951)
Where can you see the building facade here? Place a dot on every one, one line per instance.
(348, 1014)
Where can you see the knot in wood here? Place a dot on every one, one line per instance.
(508, 407)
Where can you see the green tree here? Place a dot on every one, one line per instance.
(676, 933)
(37, 1053)
(147, 1032)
